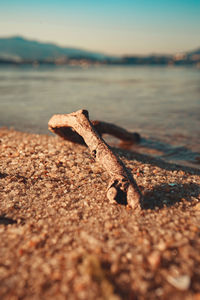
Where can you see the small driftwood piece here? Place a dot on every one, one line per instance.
(122, 186)
(102, 128)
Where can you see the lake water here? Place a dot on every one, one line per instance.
(161, 103)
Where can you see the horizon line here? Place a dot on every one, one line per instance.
(96, 51)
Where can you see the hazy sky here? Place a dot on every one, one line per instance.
(113, 27)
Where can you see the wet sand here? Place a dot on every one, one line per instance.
(62, 239)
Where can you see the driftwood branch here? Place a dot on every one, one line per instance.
(102, 128)
(122, 187)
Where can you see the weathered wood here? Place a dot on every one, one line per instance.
(122, 186)
(102, 128)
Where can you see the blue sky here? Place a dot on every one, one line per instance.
(114, 27)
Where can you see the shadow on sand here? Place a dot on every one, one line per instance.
(167, 195)
(6, 221)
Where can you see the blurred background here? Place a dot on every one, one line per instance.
(132, 63)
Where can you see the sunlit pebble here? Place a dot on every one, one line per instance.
(129, 255)
(181, 282)
(161, 246)
(154, 259)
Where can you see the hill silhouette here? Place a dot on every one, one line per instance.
(19, 48)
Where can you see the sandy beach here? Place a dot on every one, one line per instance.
(62, 239)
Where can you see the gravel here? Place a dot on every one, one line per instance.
(62, 239)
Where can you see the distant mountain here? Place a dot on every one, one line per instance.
(18, 48)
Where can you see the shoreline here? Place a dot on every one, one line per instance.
(62, 238)
(170, 149)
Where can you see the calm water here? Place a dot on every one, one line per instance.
(161, 103)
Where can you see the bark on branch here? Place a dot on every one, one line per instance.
(102, 128)
(122, 186)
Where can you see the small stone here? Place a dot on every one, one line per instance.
(161, 246)
(154, 259)
(181, 283)
(129, 255)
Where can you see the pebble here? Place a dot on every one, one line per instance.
(181, 283)
(154, 259)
